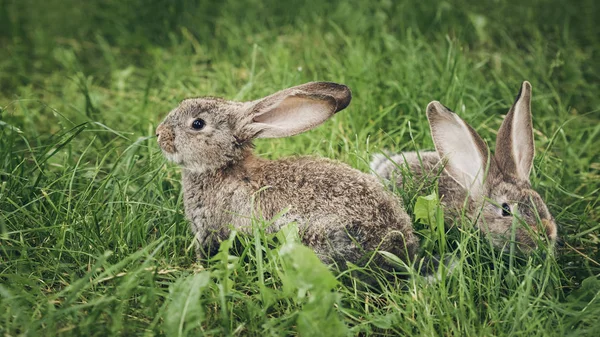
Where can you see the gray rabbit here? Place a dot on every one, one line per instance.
(491, 189)
(343, 214)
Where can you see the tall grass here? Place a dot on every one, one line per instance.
(93, 240)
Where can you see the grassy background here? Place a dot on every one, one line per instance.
(93, 240)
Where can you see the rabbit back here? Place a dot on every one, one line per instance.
(342, 213)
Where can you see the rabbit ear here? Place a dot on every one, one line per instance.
(514, 143)
(297, 109)
(464, 150)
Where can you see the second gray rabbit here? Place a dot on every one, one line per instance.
(491, 190)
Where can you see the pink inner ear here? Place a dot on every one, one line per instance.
(522, 139)
(464, 159)
(461, 146)
(293, 115)
(514, 144)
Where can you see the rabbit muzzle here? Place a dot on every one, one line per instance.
(551, 229)
(166, 138)
(547, 233)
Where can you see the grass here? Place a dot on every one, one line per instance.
(93, 240)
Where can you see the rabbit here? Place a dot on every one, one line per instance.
(343, 214)
(496, 188)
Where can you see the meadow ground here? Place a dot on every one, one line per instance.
(93, 239)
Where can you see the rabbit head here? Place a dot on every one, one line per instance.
(209, 133)
(497, 185)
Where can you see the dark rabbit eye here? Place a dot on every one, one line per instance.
(198, 124)
(505, 210)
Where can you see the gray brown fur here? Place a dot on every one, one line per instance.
(506, 179)
(342, 213)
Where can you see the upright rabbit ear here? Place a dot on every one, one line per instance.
(464, 150)
(297, 109)
(514, 145)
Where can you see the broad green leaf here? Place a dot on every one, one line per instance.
(319, 317)
(425, 209)
(289, 233)
(185, 310)
(304, 270)
(312, 280)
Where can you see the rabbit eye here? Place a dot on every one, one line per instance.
(505, 210)
(198, 124)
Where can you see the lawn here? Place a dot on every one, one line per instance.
(93, 238)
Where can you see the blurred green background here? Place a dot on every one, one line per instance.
(92, 235)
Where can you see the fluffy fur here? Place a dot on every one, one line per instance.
(342, 213)
(470, 179)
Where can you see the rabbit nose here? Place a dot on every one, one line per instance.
(166, 138)
(159, 129)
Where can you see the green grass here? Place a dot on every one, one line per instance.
(93, 240)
